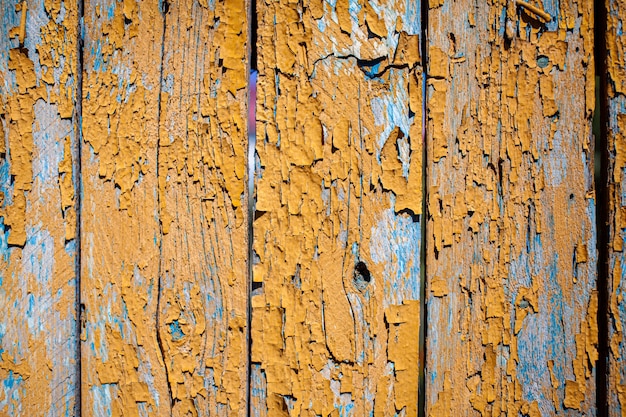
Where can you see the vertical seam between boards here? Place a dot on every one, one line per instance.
(78, 186)
(424, 219)
(602, 206)
(251, 142)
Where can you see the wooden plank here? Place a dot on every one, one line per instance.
(616, 142)
(38, 287)
(165, 237)
(338, 201)
(511, 238)
(204, 215)
(123, 372)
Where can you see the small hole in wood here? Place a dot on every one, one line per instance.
(361, 273)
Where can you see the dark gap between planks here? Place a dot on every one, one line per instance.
(601, 171)
(78, 185)
(252, 84)
(421, 386)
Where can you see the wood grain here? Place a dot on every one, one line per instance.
(165, 225)
(511, 237)
(338, 201)
(616, 141)
(38, 159)
(123, 372)
(203, 207)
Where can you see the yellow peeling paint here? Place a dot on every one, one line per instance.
(332, 164)
(616, 143)
(37, 297)
(165, 120)
(119, 221)
(509, 129)
(21, 116)
(202, 201)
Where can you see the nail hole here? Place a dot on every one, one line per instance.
(543, 61)
(362, 276)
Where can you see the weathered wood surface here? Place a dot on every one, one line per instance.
(164, 226)
(339, 178)
(123, 372)
(616, 142)
(203, 206)
(38, 329)
(511, 235)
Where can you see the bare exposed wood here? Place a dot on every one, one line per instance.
(511, 234)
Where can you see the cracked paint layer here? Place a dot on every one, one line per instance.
(616, 141)
(38, 80)
(203, 207)
(164, 227)
(123, 372)
(511, 282)
(335, 319)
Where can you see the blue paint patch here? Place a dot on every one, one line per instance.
(346, 410)
(395, 243)
(555, 167)
(354, 8)
(111, 10)
(176, 331)
(31, 305)
(70, 247)
(12, 380)
(321, 25)
(502, 24)
(412, 17)
(102, 399)
(392, 109)
(11, 398)
(552, 7)
(372, 71)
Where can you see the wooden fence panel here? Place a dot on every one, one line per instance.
(38, 286)
(338, 201)
(123, 371)
(164, 229)
(204, 208)
(511, 237)
(616, 141)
